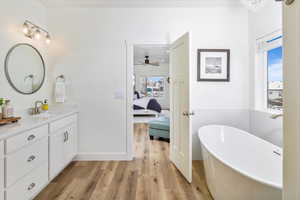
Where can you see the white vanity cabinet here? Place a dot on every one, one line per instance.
(32, 153)
(63, 144)
(1, 170)
(26, 163)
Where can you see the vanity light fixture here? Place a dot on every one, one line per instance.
(25, 28)
(35, 32)
(48, 39)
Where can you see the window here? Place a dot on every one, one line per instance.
(268, 79)
(275, 78)
(155, 86)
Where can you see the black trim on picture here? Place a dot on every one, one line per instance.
(199, 65)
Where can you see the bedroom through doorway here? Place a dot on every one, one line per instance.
(151, 99)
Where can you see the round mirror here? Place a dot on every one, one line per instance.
(25, 68)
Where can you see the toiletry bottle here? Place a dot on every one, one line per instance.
(45, 105)
(7, 110)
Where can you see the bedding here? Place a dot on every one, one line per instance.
(154, 105)
(147, 103)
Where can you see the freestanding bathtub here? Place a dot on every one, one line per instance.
(240, 166)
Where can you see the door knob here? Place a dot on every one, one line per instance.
(289, 2)
(191, 113)
(188, 113)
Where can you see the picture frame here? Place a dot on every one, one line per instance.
(213, 65)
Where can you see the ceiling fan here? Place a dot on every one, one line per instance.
(147, 62)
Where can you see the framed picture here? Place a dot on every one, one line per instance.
(214, 65)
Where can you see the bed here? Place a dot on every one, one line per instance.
(146, 107)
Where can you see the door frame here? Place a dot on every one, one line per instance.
(129, 87)
(291, 118)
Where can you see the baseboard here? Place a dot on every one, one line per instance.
(98, 156)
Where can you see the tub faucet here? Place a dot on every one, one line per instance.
(275, 116)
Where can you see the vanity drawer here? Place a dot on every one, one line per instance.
(62, 123)
(30, 185)
(28, 137)
(22, 162)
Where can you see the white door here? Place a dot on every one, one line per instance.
(181, 143)
(291, 119)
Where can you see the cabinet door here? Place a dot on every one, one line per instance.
(1, 170)
(70, 144)
(1, 178)
(57, 158)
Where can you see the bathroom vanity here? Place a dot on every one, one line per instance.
(36, 150)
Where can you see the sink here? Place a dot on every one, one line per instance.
(45, 115)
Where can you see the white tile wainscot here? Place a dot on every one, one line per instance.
(35, 150)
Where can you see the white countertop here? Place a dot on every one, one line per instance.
(29, 122)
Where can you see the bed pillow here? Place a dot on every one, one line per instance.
(154, 105)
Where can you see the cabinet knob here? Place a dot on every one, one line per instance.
(31, 158)
(31, 186)
(30, 137)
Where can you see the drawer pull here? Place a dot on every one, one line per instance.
(65, 137)
(31, 137)
(31, 186)
(67, 133)
(31, 158)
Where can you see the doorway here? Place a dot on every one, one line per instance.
(151, 101)
(176, 107)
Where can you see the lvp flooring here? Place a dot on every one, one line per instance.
(150, 176)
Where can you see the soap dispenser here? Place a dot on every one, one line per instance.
(45, 106)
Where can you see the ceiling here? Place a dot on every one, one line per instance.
(156, 53)
(138, 3)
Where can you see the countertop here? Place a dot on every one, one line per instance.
(29, 122)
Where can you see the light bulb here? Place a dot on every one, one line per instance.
(37, 34)
(48, 39)
(25, 29)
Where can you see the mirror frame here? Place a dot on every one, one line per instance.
(7, 73)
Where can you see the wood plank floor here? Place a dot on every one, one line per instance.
(150, 176)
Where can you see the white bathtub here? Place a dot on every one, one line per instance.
(240, 166)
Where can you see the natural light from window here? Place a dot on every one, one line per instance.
(275, 78)
(155, 86)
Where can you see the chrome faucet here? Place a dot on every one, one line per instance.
(275, 116)
(37, 109)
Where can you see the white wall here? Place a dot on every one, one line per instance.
(261, 23)
(142, 71)
(13, 14)
(89, 48)
(261, 125)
